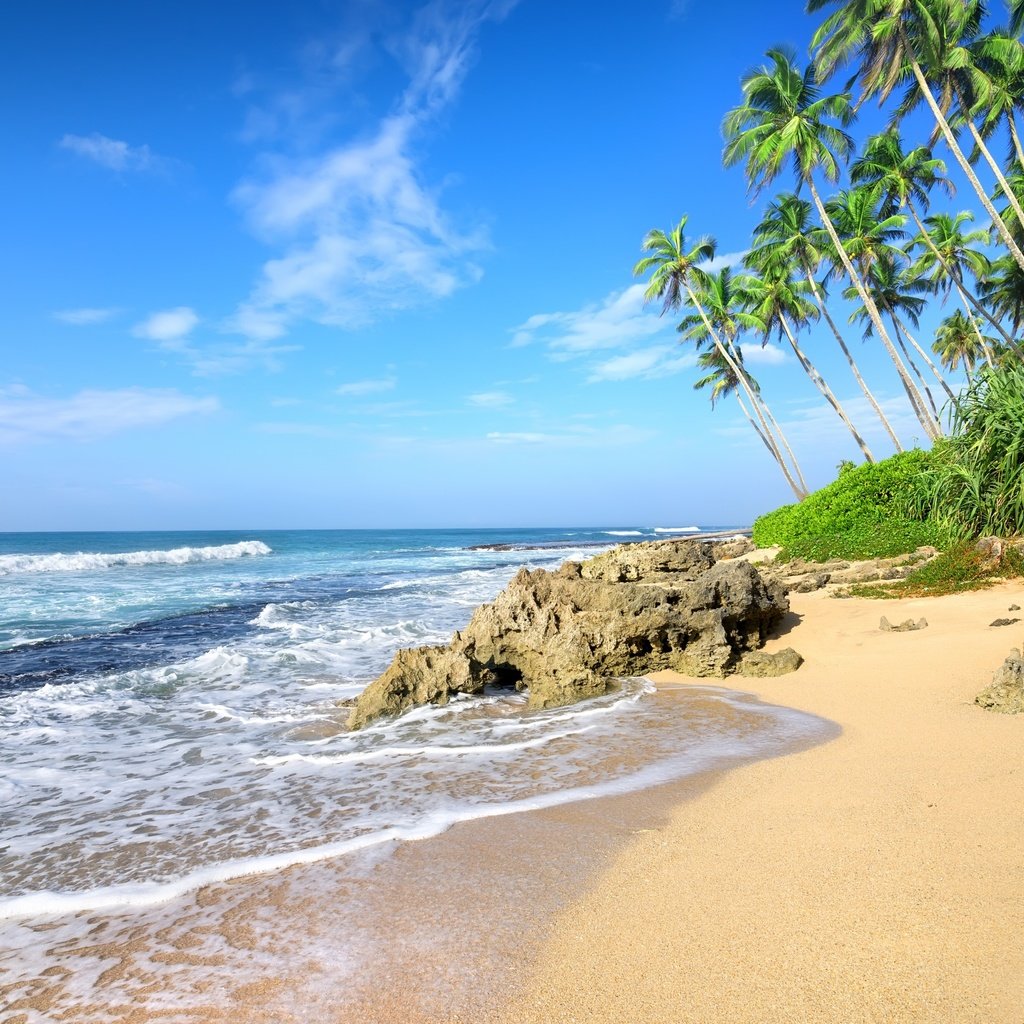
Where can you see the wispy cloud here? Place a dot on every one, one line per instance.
(490, 399)
(85, 317)
(358, 388)
(725, 259)
(91, 414)
(168, 326)
(618, 320)
(115, 154)
(767, 355)
(577, 435)
(362, 232)
(644, 363)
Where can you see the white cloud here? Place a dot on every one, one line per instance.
(85, 317)
(577, 435)
(768, 355)
(490, 399)
(168, 326)
(361, 231)
(518, 437)
(645, 363)
(619, 320)
(92, 414)
(726, 259)
(115, 154)
(367, 387)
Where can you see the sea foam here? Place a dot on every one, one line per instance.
(81, 561)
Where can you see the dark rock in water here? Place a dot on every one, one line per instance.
(1006, 694)
(906, 626)
(759, 663)
(1003, 622)
(568, 634)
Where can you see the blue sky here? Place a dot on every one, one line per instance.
(357, 264)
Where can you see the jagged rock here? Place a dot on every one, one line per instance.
(1003, 622)
(904, 627)
(991, 549)
(569, 634)
(1014, 608)
(733, 548)
(759, 663)
(813, 581)
(1006, 694)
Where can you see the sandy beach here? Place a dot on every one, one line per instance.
(876, 878)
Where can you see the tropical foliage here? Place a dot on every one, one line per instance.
(868, 237)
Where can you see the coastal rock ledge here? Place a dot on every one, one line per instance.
(569, 634)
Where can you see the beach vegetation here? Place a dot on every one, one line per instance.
(861, 230)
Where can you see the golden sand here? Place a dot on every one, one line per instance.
(877, 878)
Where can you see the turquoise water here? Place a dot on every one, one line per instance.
(171, 706)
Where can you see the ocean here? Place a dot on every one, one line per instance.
(171, 710)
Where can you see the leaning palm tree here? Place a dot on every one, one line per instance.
(676, 269)
(786, 233)
(872, 240)
(1003, 292)
(947, 253)
(722, 381)
(891, 41)
(957, 341)
(780, 304)
(719, 310)
(785, 118)
(999, 64)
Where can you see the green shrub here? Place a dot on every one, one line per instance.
(870, 511)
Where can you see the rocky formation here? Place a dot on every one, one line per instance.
(1006, 694)
(800, 576)
(569, 634)
(906, 626)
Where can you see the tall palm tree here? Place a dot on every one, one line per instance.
(676, 269)
(893, 40)
(723, 381)
(780, 304)
(959, 341)
(999, 63)
(720, 310)
(1003, 291)
(947, 252)
(872, 241)
(786, 233)
(785, 118)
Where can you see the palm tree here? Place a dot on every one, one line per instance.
(947, 252)
(785, 117)
(719, 310)
(1003, 291)
(723, 381)
(999, 62)
(872, 240)
(893, 40)
(960, 341)
(781, 305)
(676, 270)
(786, 233)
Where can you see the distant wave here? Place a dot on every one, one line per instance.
(624, 533)
(677, 529)
(82, 560)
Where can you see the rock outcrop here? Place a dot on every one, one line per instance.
(569, 634)
(1006, 694)
(800, 576)
(906, 626)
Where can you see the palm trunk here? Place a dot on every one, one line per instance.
(936, 372)
(934, 415)
(994, 165)
(819, 382)
(977, 331)
(823, 307)
(964, 163)
(755, 402)
(872, 310)
(785, 443)
(757, 429)
(1011, 124)
(956, 277)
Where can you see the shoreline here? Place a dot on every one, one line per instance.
(873, 878)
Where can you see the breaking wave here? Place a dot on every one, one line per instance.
(81, 561)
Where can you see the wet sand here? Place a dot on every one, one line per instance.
(877, 878)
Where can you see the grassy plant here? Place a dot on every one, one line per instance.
(975, 482)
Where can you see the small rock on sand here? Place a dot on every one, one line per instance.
(906, 626)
